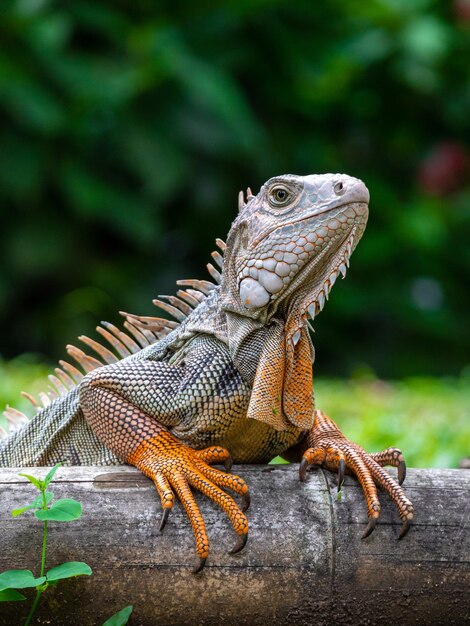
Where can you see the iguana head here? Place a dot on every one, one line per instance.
(290, 242)
(284, 252)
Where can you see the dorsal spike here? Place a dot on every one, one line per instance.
(45, 399)
(146, 321)
(75, 374)
(131, 319)
(200, 285)
(176, 313)
(158, 326)
(123, 337)
(189, 298)
(241, 200)
(31, 398)
(13, 415)
(105, 354)
(115, 343)
(179, 304)
(218, 258)
(14, 418)
(88, 363)
(221, 244)
(163, 332)
(216, 275)
(61, 388)
(52, 393)
(137, 334)
(65, 378)
(200, 297)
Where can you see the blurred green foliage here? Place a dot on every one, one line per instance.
(127, 129)
(427, 417)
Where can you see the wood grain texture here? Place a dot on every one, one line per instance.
(304, 562)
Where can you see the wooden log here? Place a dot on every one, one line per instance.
(304, 563)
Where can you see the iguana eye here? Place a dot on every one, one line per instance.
(279, 196)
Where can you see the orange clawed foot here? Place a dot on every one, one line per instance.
(174, 467)
(329, 448)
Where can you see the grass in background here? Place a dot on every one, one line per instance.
(429, 418)
(25, 373)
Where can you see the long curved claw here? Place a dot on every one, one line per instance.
(200, 566)
(241, 542)
(246, 501)
(393, 457)
(401, 472)
(341, 468)
(370, 527)
(228, 464)
(163, 521)
(303, 469)
(404, 529)
(312, 456)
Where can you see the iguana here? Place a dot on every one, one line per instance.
(231, 378)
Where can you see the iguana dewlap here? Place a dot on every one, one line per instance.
(232, 377)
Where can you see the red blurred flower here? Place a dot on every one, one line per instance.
(444, 169)
(462, 10)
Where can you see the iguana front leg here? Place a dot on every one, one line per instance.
(117, 402)
(326, 446)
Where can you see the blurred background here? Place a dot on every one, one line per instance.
(128, 128)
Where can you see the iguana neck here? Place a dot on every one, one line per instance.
(278, 371)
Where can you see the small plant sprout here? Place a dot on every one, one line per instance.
(46, 510)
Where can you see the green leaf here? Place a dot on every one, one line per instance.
(64, 510)
(36, 482)
(17, 512)
(19, 579)
(51, 473)
(10, 595)
(35, 504)
(278, 460)
(68, 570)
(120, 618)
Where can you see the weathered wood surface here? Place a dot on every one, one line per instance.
(304, 562)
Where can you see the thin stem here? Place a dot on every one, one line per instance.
(33, 608)
(43, 563)
(44, 537)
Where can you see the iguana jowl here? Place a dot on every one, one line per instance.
(232, 378)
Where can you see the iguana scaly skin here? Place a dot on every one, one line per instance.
(233, 373)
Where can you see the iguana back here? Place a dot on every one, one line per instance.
(58, 431)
